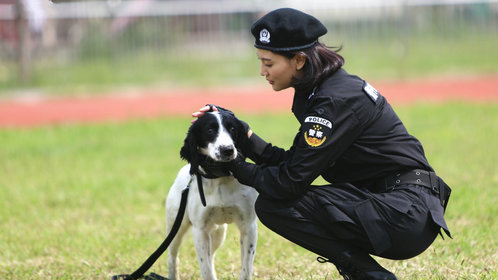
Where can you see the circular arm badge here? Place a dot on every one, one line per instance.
(316, 130)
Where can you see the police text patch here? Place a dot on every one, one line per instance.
(371, 92)
(316, 130)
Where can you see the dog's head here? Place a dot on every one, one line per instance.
(213, 138)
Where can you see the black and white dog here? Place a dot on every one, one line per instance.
(211, 141)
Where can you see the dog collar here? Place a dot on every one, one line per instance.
(213, 172)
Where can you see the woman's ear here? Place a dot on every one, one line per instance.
(300, 60)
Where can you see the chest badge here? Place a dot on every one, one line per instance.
(316, 130)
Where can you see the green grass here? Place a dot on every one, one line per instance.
(407, 58)
(86, 201)
(394, 57)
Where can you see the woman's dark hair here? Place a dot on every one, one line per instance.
(321, 62)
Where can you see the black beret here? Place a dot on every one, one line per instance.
(287, 29)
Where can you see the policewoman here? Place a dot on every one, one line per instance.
(383, 197)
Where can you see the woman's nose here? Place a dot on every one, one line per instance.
(262, 71)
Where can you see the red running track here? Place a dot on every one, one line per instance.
(29, 112)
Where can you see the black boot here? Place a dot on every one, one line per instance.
(359, 266)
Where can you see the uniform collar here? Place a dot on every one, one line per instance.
(300, 102)
(302, 98)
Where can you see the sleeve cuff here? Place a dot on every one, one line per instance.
(244, 172)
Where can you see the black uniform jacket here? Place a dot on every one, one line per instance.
(349, 134)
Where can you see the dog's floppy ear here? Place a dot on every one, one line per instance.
(189, 151)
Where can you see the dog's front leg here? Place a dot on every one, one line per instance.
(203, 245)
(248, 240)
(174, 248)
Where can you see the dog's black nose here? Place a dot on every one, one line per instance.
(227, 151)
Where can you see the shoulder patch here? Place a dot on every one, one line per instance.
(371, 92)
(316, 130)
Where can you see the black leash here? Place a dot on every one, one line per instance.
(153, 258)
(201, 189)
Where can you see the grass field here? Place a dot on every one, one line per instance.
(471, 53)
(86, 201)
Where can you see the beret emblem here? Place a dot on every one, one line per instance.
(264, 36)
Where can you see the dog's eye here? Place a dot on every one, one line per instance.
(210, 131)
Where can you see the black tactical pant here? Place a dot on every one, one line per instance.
(328, 220)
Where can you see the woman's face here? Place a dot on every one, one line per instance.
(279, 70)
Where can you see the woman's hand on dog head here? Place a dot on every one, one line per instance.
(202, 111)
(213, 108)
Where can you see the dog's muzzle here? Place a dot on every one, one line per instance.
(226, 153)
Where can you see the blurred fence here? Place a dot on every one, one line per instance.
(39, 32)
